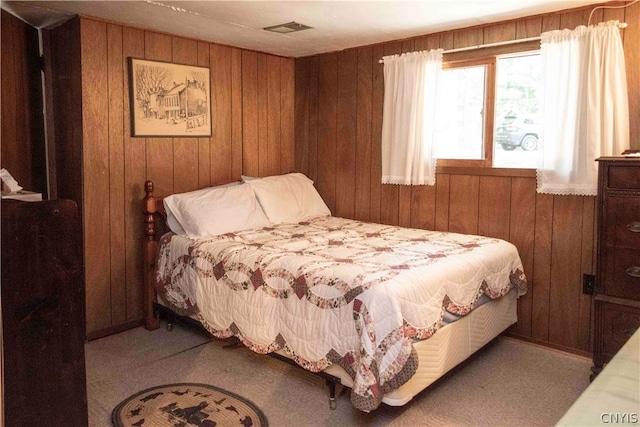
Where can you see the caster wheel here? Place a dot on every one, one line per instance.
(332, 404)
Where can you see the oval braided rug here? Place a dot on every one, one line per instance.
(187, 404)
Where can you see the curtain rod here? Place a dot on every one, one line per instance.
(482, 46)
(503, 43)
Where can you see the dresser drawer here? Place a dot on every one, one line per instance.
(624, 177)
(619, 322)
(623, 222)
(621, 275)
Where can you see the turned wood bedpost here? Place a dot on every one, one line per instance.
(149, 253)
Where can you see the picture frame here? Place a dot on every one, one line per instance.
(169, 99)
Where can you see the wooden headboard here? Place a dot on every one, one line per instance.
(155, 220)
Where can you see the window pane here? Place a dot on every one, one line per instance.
(459, 119)
(517, 112)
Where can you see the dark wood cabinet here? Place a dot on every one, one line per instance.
(43, 314)
(617, 296)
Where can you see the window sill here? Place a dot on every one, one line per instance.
(482, 171)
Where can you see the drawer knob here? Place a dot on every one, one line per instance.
(633, 271)
(634, 226)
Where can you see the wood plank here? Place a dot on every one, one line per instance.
(467, 37)
(550, 22)
(632, 60)
(95, 120)
(185, 150)
(541, 280)
(523, 220)
(447, 40)
(499, 32)
(494, 207)
(237, 142)
(531, 27)
(65, 73)
(34, 123)
(314, 116)
(10, 83)
(362, 208)
(377, 103)
(250, 147)
(346, 126)
(328, 84)
(574, 18)
(115, 84)
(159, 150)
(463, 204)
(204, 144)
(566, 280)
(263, 125)
(221, 145)
(429, 42)
(301, 120)
(443, 187)
(597, 16)
(134, 178)
(160, 164)
(50, 122)
(274, 133)
(287, 115)
(586, 267)
(184, 51)
(423, 207)
(23, 143)
(20, 158)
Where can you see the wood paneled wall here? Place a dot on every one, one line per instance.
(23, 147)
(338, 118)
(252, 117)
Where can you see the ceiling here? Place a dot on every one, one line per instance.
(337, 25)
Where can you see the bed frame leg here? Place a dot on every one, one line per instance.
(149, 253)
(332, 394)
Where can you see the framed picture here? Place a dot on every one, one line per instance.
(169, 100)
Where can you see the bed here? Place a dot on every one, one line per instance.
(385, 310)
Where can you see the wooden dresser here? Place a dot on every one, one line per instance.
(617, 292)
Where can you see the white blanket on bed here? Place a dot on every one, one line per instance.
(332, 290)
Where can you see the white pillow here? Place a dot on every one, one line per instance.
(288, 198)
(172, 222)
(217, 211)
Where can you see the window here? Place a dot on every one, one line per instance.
(460, 123)
(488, 112)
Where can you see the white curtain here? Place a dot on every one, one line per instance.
(585, 109)
(410, 86)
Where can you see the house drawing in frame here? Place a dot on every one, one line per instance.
(169, 99)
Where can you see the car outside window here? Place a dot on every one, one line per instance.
(517, 111)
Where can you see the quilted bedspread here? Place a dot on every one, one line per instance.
(332, 290)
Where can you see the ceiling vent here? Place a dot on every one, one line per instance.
(289, 27)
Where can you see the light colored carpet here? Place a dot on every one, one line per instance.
(507, 383)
